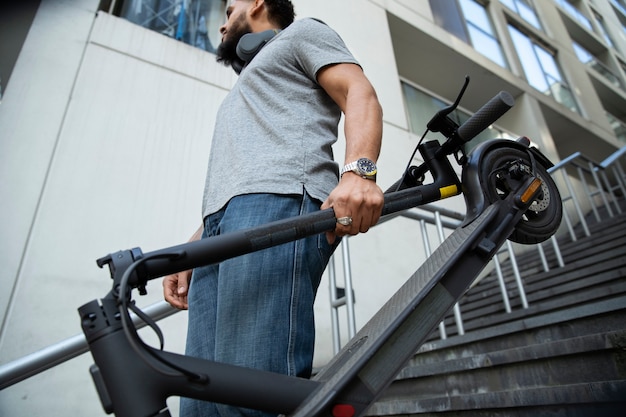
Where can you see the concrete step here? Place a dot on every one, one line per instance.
(529, 262)
(599, 317)
(490, 293)
(565, 355)
(602, 281)
(598, 274)
(597, 399)
(576, 359)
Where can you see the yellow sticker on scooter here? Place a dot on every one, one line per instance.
(449, 191)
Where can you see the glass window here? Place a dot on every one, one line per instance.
(604, 31)
(448, 16)
(583, 55)
(469, 21)
(591, 61)
(541, 69)
(421, 107)
(525, 9)
(619, 127)
(575, 13)
(481, 32)
(195, 22)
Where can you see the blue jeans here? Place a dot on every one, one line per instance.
(256, 310)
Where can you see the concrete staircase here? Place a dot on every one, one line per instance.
(565, 355)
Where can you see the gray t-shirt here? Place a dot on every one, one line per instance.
(275, 128)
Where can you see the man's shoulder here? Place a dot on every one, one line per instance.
(311, 30)
(309, 24)
(311, 21)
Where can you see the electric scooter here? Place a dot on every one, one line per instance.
(508, 194)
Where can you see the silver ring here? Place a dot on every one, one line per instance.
(344, 221)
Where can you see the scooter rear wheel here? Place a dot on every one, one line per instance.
(502, 171)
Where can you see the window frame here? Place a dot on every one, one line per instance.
(186, 29)
(451, 16)
(516, 9)
(540, 52)
(460, 115)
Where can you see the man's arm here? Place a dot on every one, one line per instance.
(355, 197)
(176, 286)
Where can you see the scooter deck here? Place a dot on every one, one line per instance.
(372, 359)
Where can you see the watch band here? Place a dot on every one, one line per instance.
(348, 167)
(363, 167)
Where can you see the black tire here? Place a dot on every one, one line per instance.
(501, 171)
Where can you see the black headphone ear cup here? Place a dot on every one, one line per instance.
(251, 43)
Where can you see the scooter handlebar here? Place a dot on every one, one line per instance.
(485, 116)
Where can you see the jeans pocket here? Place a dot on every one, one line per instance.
(325, 249)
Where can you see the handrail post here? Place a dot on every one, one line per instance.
(579, 211)
(557, 251)
(347, 299)
(581, 176)
(335, 303)
(347, 270)
(619, 176)
(594, 173)
(542, 256)
(502, 284)
(611, 190)
(516, 274)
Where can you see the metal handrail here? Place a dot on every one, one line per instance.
(584, 166)
(613, 158)
(58, 353)
(32, 364)
(344, 297)
(602, 186)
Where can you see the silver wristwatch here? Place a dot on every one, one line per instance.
(364, 167)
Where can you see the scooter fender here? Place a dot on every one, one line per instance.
(475, 198)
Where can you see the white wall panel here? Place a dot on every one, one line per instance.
(31, 114)
(128, 170)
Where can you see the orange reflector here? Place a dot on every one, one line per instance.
(530, 191)
(343, 410)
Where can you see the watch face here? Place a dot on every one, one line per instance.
(366, 167)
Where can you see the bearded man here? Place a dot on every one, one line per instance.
(271, 159)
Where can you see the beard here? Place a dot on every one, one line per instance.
(227, 50)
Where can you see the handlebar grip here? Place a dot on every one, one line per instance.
(485, 116)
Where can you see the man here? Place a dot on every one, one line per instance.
(271, 158)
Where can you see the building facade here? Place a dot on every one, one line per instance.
(106, 118)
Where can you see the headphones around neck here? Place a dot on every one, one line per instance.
(249, 45)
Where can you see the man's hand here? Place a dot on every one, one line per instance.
(358, 198)
(175, 288)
